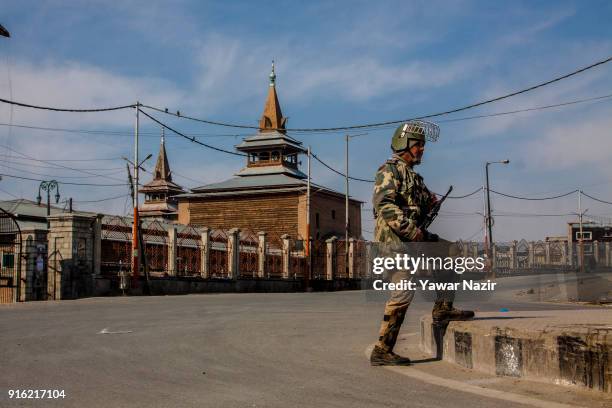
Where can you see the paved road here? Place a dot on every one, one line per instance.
(227, 350)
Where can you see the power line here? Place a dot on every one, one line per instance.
(113, 169)
(98, 201)
(534, 199)
(338, 172)
(64, 182)
(49, 108)
(112, 132)
(59, 165)
(536, 108)
(47, 175)
(596, 199)
(191, 139)
(372, 125)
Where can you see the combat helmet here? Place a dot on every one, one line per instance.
(414, 130)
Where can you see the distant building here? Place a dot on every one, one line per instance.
(269, 193)
(160, 193)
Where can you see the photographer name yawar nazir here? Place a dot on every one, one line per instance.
(405, 284)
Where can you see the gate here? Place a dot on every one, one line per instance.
(10, 249)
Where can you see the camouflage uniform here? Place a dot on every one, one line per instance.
(400, 201)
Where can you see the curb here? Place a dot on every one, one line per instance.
(580, 356)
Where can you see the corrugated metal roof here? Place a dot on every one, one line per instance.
(265, 170)
(260, 181)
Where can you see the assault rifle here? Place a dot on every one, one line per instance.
(431, 216)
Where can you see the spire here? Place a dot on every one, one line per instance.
(272, 117)
(162, 168)
(272, 75)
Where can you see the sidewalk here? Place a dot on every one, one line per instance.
(562, 347)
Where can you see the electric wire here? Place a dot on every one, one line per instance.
(60, 165)
(50, 108)
(63, 182)
(48, 175)
(191, 139)
(596, 199)
(534, 199)
(99, 200)
(112, 132)
(373, 125)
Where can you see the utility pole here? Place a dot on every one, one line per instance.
(308, 240)
(581, 239)
(346, 205)
(489, 219)
(136, 226)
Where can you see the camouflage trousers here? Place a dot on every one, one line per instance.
(400, 300)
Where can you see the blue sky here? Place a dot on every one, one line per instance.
(338, 63)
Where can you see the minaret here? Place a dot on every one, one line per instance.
(159, 192)
(272, 118)
(271, 150)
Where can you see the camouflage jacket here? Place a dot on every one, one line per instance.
(400, 201)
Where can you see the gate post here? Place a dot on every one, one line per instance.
(172, 250)
(70, 255)
(607, 246)
(531, 256)
(513, 255)
(261, 254)
(351, 258)
(596, 251)
(547, 253)
(233, 256)
(205, 253)
(286, 251)
(97, 245)
(330, 257)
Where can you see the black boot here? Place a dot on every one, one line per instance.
(444, 311)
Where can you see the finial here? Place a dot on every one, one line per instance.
(163, 135)
(272, 75)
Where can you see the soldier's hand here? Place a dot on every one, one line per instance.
(419, 236)
(434, 201)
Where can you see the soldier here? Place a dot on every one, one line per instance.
(401, 201)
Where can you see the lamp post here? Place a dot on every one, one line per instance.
(488, 219)
(48, 186)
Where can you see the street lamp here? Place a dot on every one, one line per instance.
(488, 219)
(48, 186)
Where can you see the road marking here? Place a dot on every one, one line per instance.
(417, 374)
(105, 331)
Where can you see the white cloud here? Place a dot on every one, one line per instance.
(581, 144)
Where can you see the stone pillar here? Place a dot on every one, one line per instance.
(564, 254)
(205, 253)
(233, 256)
(351, 258)
(286, 252)
(513, 255)
(531, 257)
(570, 253)
(330, 257)
(261, 255)
(172, 250)
(596, 251)
(475, 250)
(493, 256)
(608, 255)
(547, 253)
(97, 245)
(70, 256)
